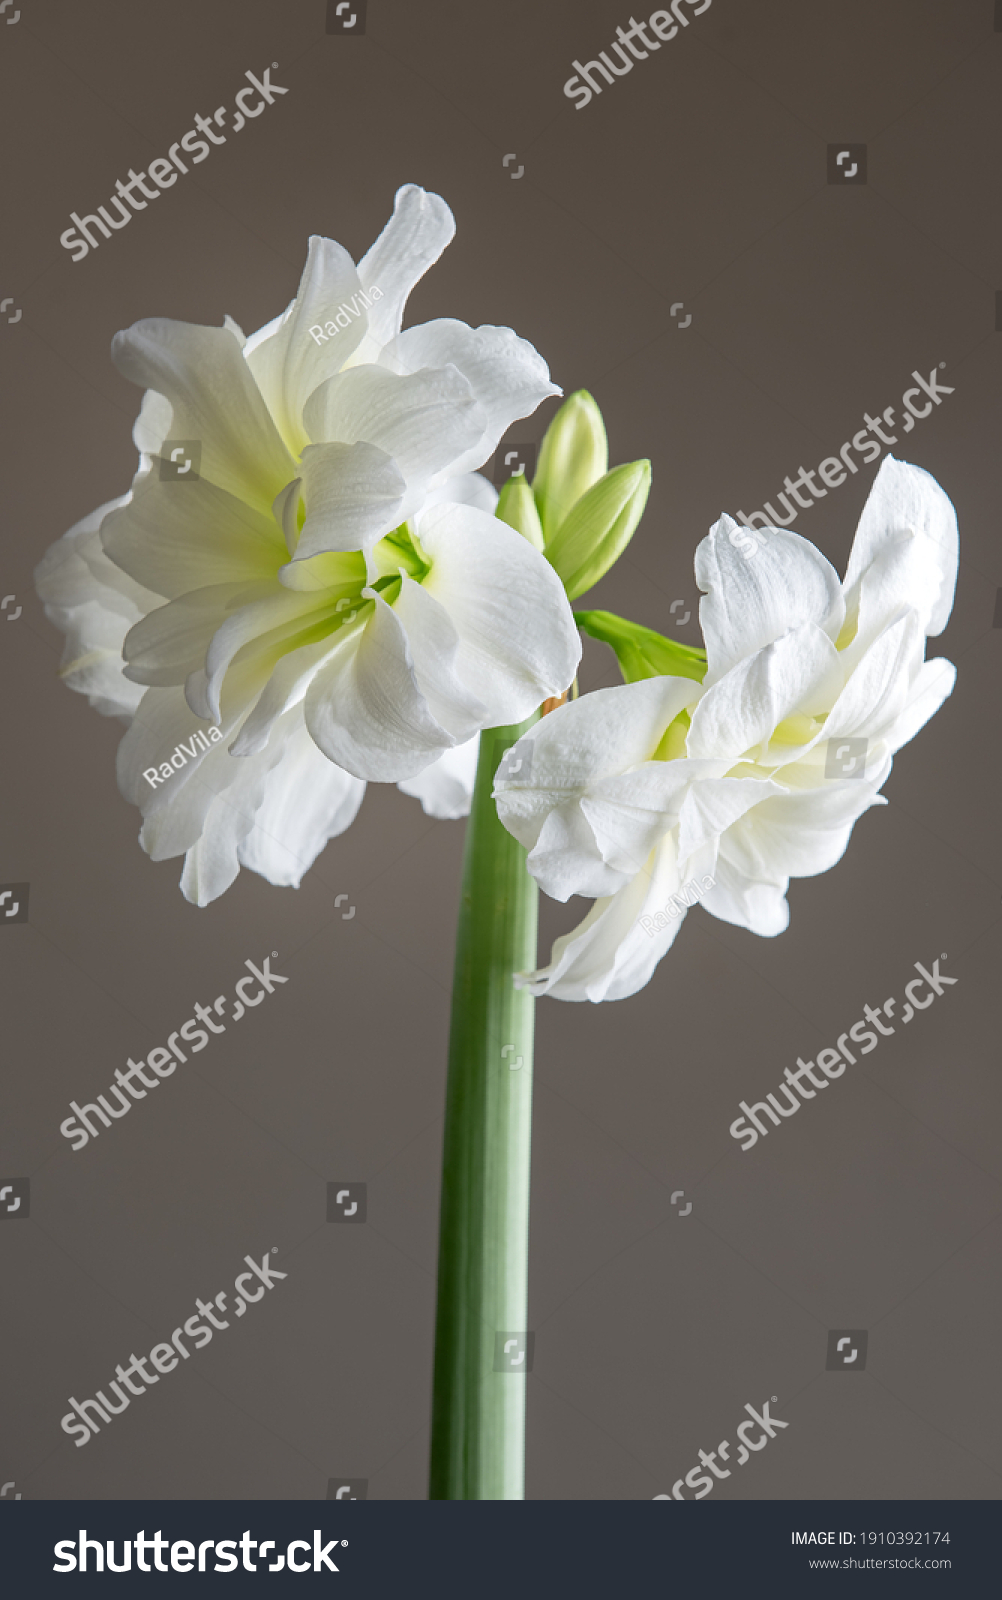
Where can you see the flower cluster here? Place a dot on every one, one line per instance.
(724, 771)
(333, 594)
(339, 597)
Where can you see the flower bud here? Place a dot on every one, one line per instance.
(517, 508)
(600, 526)
(574, 455)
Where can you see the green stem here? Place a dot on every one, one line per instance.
(478, 1414)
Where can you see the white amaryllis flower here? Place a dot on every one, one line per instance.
(327, 598)
(638, 793)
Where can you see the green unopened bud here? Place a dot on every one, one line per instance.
(601, 525)
(640, 651)
(574, 455)
(517, 507)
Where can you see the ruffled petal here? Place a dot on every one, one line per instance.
(602, 734)
(445, 789)
(212, 862)
(419, 230)
(507, 376)
(614, 951)
(174, 542)
(518, 643)
(747, 902)
(751, 602)
(878, 690)
(94, 604)
(214, 399)
(172, 640)
(797, 834)
(711, 807)
(307, 800)
(261, 631)
(906, 500)
(463, 489)
(586, 823)
(287, 686)
(365, 709)
(354, 495)
(435, 652)
(288, 361)
(425, 421)
(932, 684)
(798, 673)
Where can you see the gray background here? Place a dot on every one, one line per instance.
(699, 178)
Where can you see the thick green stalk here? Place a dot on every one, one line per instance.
(478, 1413)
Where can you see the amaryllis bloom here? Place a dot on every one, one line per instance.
(724, 790)
(327, 598)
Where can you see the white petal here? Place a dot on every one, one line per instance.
(713, 806)
(213, 861)
(747, 902)
(797, 834)
(878, 690)
(287, 686)
(262, 630)
(173, 808)
(464, 489)
(445, 789)
(412, 241)
(799, 672)
(507, 375)
(900, 578)
(610, 955)
(750, 602)
(518, 641)
(214, 399)
(588, 827)
(932, 684)
(307, 801)
(287, 360)
(425, 421)
(94, 604)
(435, 652)
(354, 495)
(567, 859)
(604, 733)
(905, 499)
(172, 640)
(174, 542)
(365, 709)
(152, 426)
